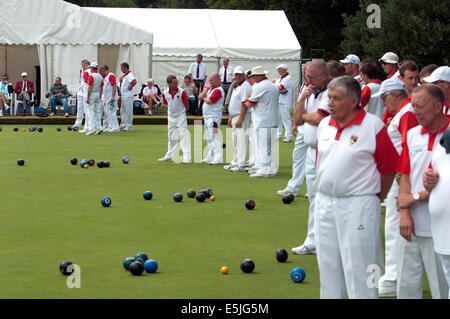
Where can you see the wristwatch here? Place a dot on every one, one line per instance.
(416, 196)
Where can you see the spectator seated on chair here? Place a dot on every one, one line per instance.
(24, 90)
(5, 93)
(151, 95)
(58, 96)
(192, 93)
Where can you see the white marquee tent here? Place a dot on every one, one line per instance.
(247, 38)
(57, 35)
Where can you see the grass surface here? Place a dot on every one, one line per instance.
(50, 211)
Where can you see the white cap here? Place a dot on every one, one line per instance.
(351, 58)
(389, 57)
(388, 85)
(282, 66)
(239, 69)
(94, 65)
(442, 73)
(24, 74)
(150, 80)
(258, 70)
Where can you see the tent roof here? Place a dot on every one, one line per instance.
(213, 33)
(60, 22)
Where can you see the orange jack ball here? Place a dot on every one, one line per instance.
(224, 270)
(212, 197)
(86, 166)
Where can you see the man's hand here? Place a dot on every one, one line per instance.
(406, 224)
(404, 201)
(307, 91)
(229, 122)
(87, 100)
(112, 100)
(430, 179)
(239, 122)
(294, 130)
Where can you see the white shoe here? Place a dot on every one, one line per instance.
(98, 132)
(239, 169)
(229, 167)
(216, 162)
(273, 174)
(66, 115)
(303, 250)
(387, 289)
(107, 130)
(186, 161)
(287, 140)
(90, 132)
(257, 175)
(252, 171)
(285, 192)
(83, 131)
(383, 204)
(1, 113)
(52, 114)
(206, 160)
(306, 195)
(165, 159)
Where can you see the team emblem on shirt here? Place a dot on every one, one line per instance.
(353, 139)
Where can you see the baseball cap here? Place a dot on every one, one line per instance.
(442, 73)
(282, 66)
(24, 74)
(351, 58)
(390, 85)
(389, 57)
(239, 70)
(94, 65)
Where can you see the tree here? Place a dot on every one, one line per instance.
(415, 30)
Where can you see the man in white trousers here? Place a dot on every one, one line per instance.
(417, 247)
(264, 101)
(81, 96)
(213, 97)
(355, 170)
(436, 180)
(109, 96)
(177, 102)
(93, 101)
(315, 101)
(126, 90)
(285, 86)
(239, 121)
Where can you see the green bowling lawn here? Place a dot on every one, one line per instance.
(51, 211)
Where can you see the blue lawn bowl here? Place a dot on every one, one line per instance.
(106, 201)
(148, 195)
(127, 262)
(142, 256)
(20, 162)
(82, 163)
(125, 159)
(298, 275)
(150, 266)
(178, 197)
(58, 128)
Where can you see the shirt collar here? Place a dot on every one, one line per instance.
(316, 93)
(356, 120)
(425, 129)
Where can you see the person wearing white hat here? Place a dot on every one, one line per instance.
(81, 96)
(416, 253)
(389, 63)
(285, 86)
(24, 90)
(93, 101)
(441, 77)
(264, 101)
(239, 121)
(351, 64)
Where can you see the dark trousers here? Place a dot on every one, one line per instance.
(199, 84)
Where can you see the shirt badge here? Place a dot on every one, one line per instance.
(353, 139)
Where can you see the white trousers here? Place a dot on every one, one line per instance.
(284, 120)
(298, 163)
(178, 130)
(252, 149)
(92, 111)
(265, 139)
(241, 140)
(415, 257)
(445, 261)
(391, 236)
(110, 121)
(126, 113)
(81, 99)
(348, 243)
(310, 174)
(214, 139)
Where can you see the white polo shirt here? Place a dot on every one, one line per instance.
(415, 159)
(403, 120)
(202, 71)
(351, 159)
(127, 80)
(438, 205)
(84, 81)
(372, 105)
(358, 78)
(286, 83)
(230, 74)
(239, 95)
(95, 81)
(217, 97)
(175, 101)
(317, 102)
(108, 82)
(265, 98)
